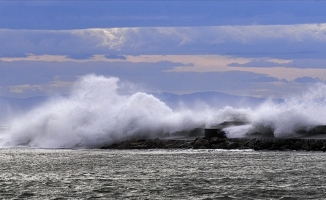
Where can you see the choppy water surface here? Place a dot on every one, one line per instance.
(161, 174)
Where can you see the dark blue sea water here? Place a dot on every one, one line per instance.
(161, 174)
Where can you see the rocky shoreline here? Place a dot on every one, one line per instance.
(224, 143)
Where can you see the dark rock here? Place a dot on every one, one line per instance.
(194, 141)
(296, 146)
(233, 145)
(249, 144)
(284, 147)
(323, 148)
(223, 143)
(199, 143)
(266, 145)
(216, 140)
(215, 146)
(275, 146)
(185, 145)
(305, 147)
(256, 148)
(170, 146)
(158, 143)
(316, 146)
(219, 144)
(288, 142)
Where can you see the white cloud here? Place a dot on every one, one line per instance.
(278, 68)
(288, 40)
(113, 38)
(57, 87)
(298, 33)
(22, 78)
(21, 88)
(154, 55)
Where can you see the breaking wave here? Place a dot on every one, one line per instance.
(299, 112)
(97, 114)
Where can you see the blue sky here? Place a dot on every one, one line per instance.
(253, 48)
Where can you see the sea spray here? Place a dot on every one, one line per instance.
(97, 114)
(297, 112)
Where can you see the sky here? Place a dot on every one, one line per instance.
(250, 48)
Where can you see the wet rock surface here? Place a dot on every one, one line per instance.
(313, 139)
(224, 143)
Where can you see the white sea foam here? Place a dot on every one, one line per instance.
(97, 114)
(297, 112)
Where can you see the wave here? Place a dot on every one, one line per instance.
(97, 114)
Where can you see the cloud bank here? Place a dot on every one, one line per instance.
(258, 60)
(278, 41)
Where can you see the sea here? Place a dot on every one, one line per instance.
(161, 174)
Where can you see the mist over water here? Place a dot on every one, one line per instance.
(98, 114)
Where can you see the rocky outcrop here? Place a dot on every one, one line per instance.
(258, 131)
(223, 143)
(313, 139)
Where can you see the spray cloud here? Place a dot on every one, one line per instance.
(96, 114)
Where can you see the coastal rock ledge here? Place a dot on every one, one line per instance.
(224, 143)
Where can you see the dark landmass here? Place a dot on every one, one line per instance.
(224, 143)
(215, 138)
